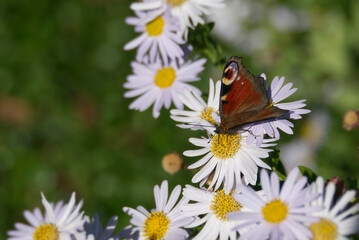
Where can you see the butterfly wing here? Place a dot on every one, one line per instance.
(243, 97)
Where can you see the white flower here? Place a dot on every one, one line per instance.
(158, 35)
(280, 213)
(189, 12)
(165, 221)
(95, 231)
(58, 222)
(227, 156)
(336, 219)
(159, 84)
(214, 206)
(201, 113)
(276, 93)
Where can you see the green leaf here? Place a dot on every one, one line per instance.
(308, 173)
(276, 164)
(202, 42)
(351, 183)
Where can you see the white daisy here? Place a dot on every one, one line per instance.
(201, 113)
(214, 206)
(336, 219)
(280, 213)
(227, 156)
(159, 84)
(59, 222)
(189, 12)
(95, 231)
(276, 93)
(158, 35)
(165, 221)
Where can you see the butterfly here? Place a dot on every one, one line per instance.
(243, 99)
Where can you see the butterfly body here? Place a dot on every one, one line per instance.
(243, 99)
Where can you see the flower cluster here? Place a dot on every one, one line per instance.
(62, 221)
(234, 204)
(161, 69)
(293, 210)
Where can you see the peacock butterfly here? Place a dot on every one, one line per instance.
(243, 99)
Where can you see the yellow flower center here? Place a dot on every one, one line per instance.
(206, 114)
(324, 230)
(275, 211)
(225, 145)
(156, 226)
(46, 232)
(165, 77)
(223, 204)
(155, 27)
(176, 3)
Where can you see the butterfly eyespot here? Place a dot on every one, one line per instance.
(242, 83)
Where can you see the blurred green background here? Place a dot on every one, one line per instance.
(65, 126)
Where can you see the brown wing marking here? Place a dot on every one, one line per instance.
(240, 91)
(245, 92)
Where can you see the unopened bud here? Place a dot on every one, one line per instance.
(351, 120)
(172, 163)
